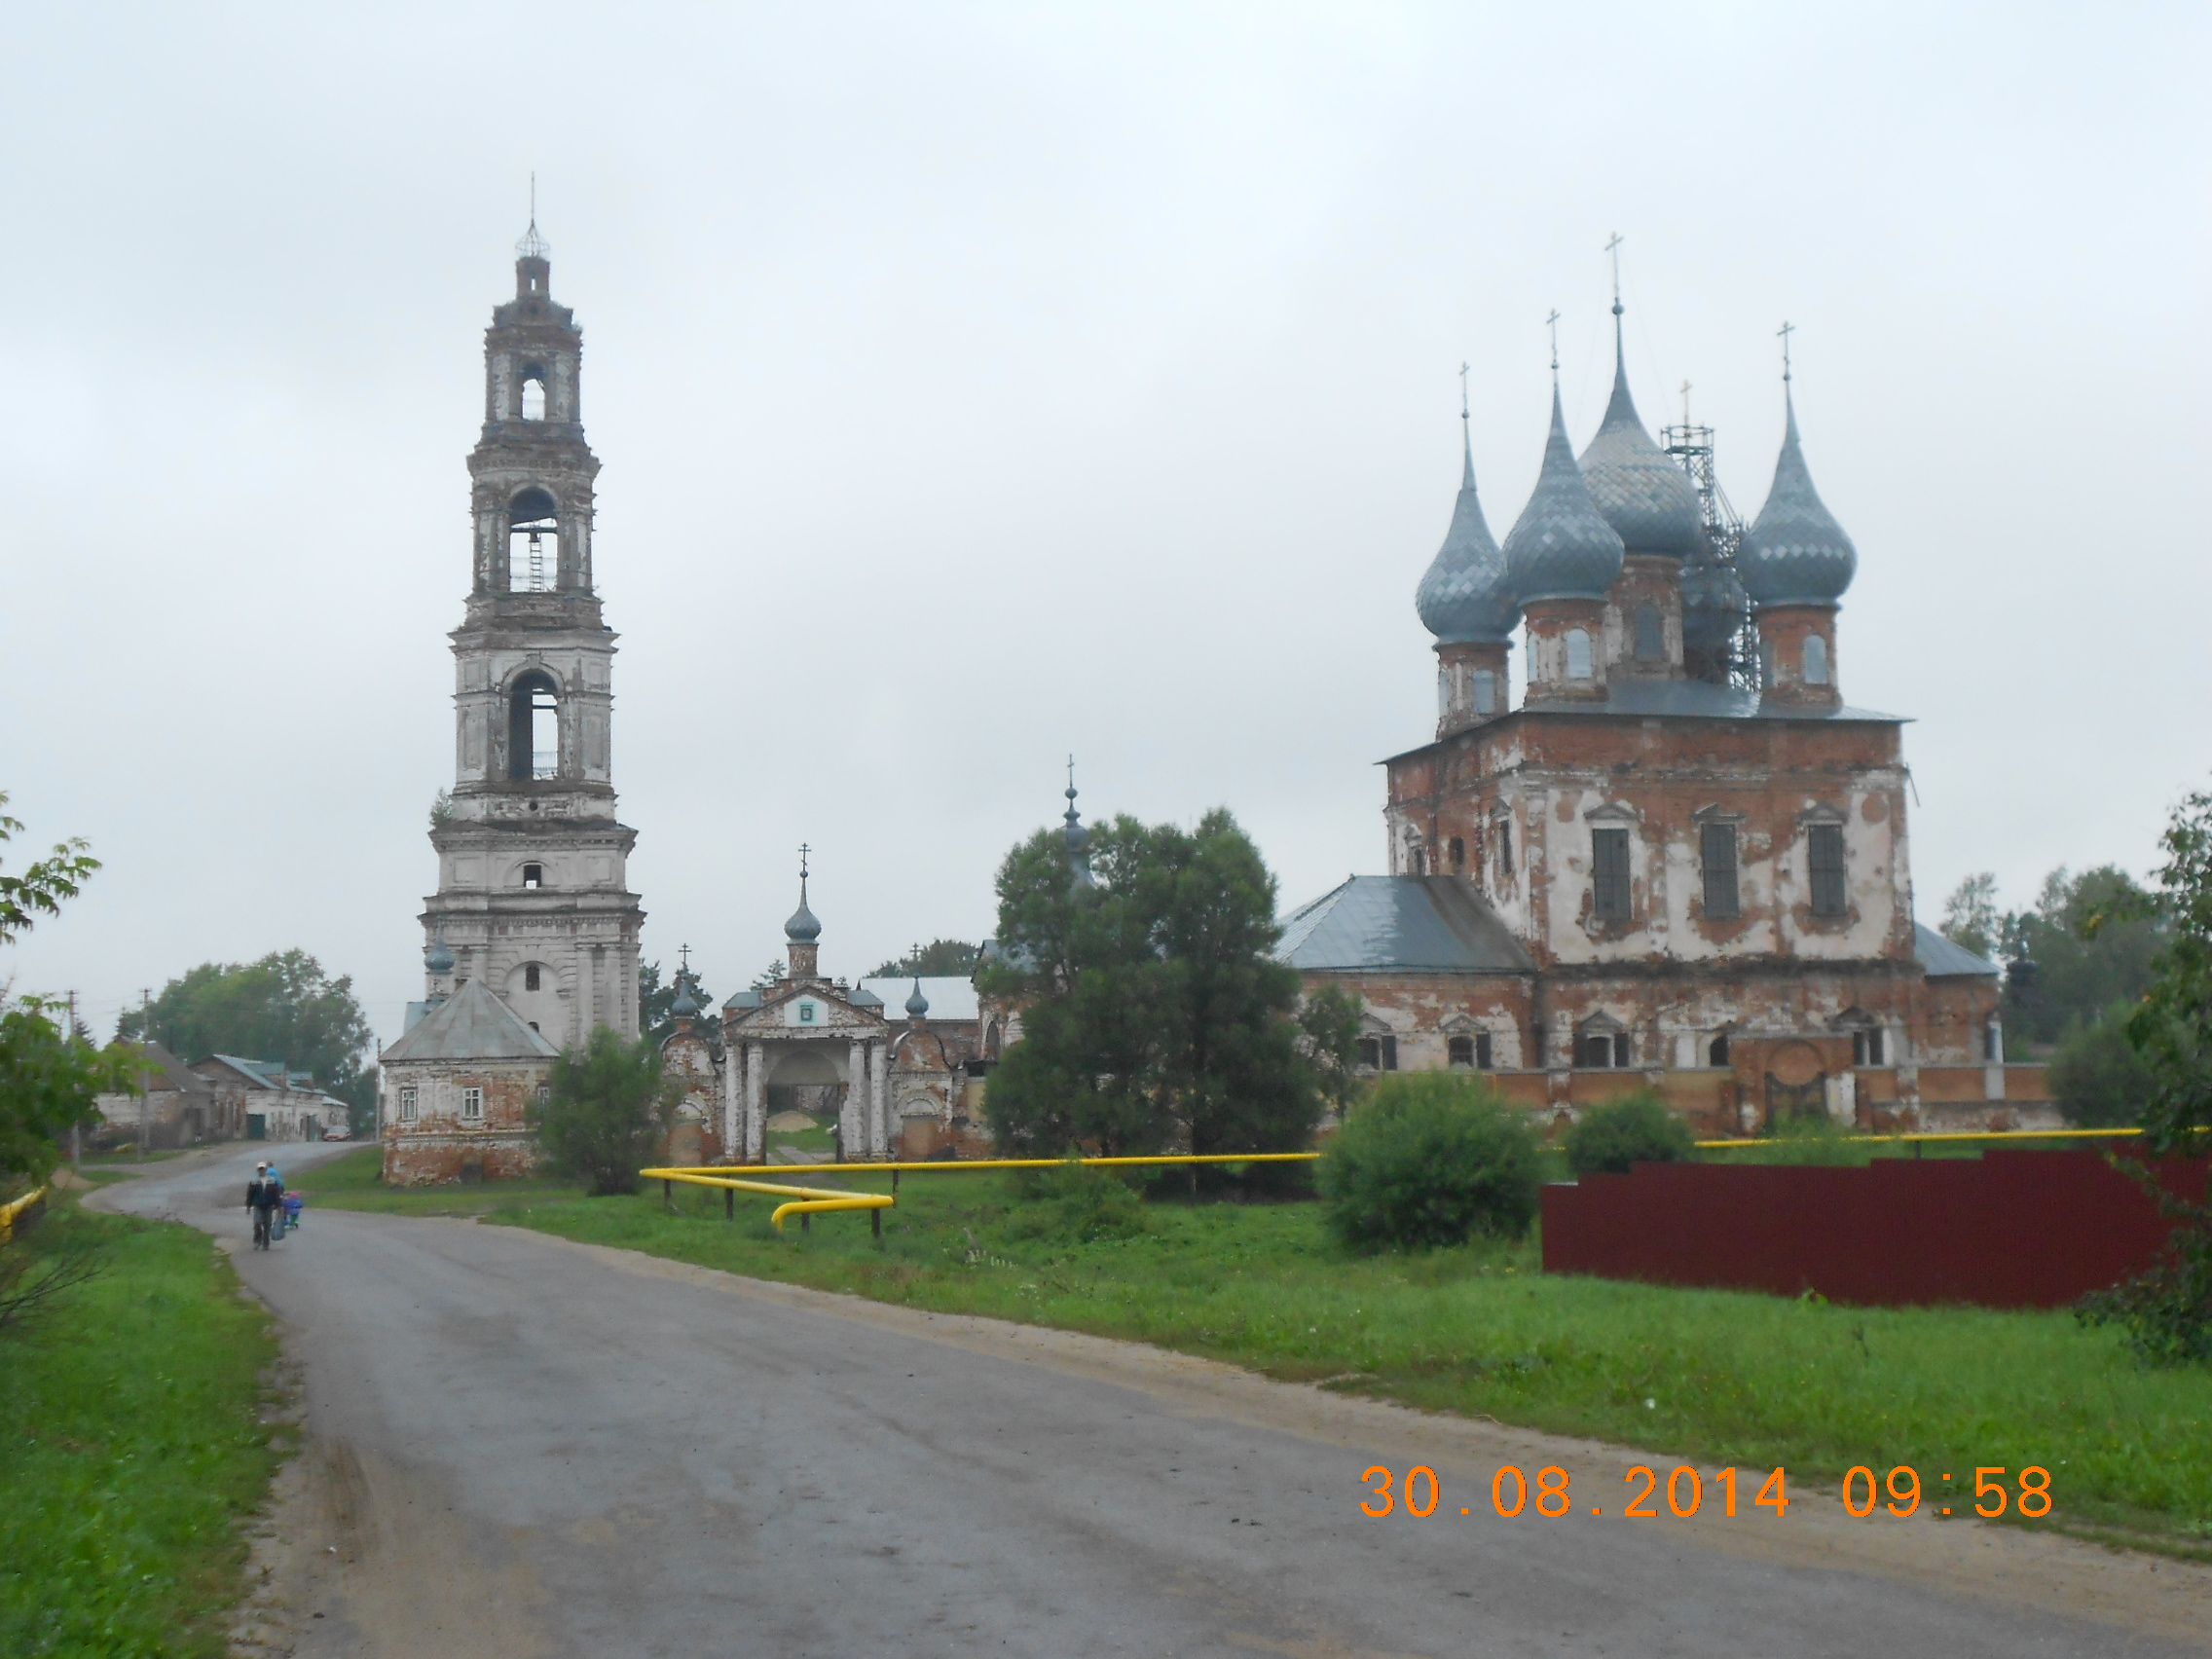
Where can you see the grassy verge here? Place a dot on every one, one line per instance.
(130, 1447)
(1732, 1377)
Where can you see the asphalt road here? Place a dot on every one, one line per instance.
(520, 1447)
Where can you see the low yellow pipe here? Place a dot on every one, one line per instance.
(1946, 1136)
(820, 1206)
(10, 1211)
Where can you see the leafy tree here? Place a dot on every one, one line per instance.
(2093, 938)
(1614, 1138)
(2096, 1076)
(1969, 914)
(44, 884)
(2166, 1312)
(607, 1112)
(656, 1002)
(1329, 1023)
(47, 1076)
(1154, 1011)
(1431, 1160)
(282, 1007)
(940, 958)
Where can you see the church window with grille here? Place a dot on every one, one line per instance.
(1378, 1054)
(532, 978)
(1716, 846)
(472, 1105)
(1608, 860)
(1816, 660)
(1823, 856)
(1650, 645)
(1470, 1052)
(1579, 664)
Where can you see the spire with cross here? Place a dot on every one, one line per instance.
(1552, 322)
(1783, 334)
(1613, 248)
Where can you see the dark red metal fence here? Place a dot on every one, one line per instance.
(2007, 1229)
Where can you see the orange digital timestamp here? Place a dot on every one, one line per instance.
(1421, 1493)
(1904, 1486)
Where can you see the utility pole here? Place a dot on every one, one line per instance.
(76, 1131)
(145, 1081)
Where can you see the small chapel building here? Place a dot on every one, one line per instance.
(1681, 862)
(894, 1086)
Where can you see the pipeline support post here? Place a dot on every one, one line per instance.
(729, 1203)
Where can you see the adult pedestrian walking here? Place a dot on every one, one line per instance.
(263, 1194)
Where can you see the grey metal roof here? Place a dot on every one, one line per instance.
(949, 996)
(1941, 959)
(472, 1025)
(741, 999)
(1464, 594)
(1795, 553)
(1561, 546)
(1644, 496)
(1435, 923)
(1702, 700)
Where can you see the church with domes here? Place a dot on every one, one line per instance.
(1681, 860)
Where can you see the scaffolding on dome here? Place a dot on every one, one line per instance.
(1692, 446)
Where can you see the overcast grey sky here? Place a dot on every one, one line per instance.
(977, 383)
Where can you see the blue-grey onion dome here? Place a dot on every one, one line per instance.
(802, 928)
(682, 1006)
(1712, 603)
(1795, 553)
(918, 1005)
(438, 959)
(1648, 500)
(1561, 547)
(1463, 595)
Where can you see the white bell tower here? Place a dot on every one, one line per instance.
(533, 900)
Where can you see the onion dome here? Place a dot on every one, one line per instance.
(1795, 553)
(439, 959)
(1463, 595)
(684, 1006)
(802, 928)
(1561, 547)
(1079, 860)
(918, 1005)
(1644, 496)
(1712, 603)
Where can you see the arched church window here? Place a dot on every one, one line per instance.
(1578, 654)
(534, 729)
(534, 542)
(533, 392)
(1816, 660)
(1716, 1050)
(991, 1042)
(533, 875)
(1649, 647)
(533, 978)
(1485, 691)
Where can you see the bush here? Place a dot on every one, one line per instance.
(2097, 1078)
(607, 1112)
(1430, 1158)
(1076, 1204)
(1614, 1138)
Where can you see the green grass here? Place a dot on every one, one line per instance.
(1732, 1377)
(131, 1448)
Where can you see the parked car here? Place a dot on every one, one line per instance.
(338, 1131)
